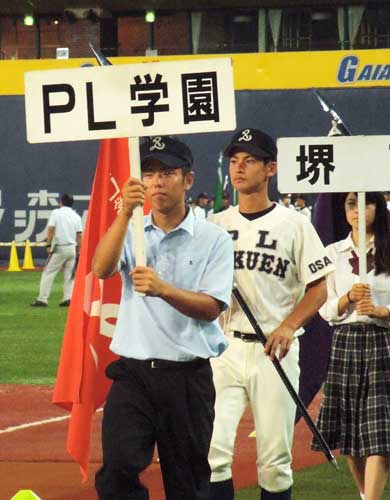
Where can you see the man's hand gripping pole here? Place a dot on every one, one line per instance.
(262, 338)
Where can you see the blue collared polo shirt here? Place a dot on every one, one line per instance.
(196, 256)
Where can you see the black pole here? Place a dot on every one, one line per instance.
(190, 33)
(151, 36)
(100, 58)
(262, 338)
(347, 41)
(37, 37)
(328, 109)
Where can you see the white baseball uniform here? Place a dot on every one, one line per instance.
(276, 256)
(66, 223)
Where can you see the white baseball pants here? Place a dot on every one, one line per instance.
(62, 259)
(244, 375)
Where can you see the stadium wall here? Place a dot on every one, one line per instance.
(273, 92)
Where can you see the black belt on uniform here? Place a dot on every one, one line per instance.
(166, 364)
(246, 337)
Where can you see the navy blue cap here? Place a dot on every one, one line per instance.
(255, 142)
(171, 152)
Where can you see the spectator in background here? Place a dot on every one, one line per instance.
(63, 245)
(201, 204)
(285, 200)
(191, 203)
(225, 201)
(210, 211)
(300, 206)
(224, 206)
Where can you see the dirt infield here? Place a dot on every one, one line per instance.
(33, 455)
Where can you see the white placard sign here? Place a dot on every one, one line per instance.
(333, 164)
(179, 97)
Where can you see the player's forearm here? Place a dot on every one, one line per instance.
(50, 235)
(108, 251)
(381, 312)
(78, 242)
(195, 305)
(343, 304)
(313, 299)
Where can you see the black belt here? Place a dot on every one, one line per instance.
(246, 337)
(166, 364)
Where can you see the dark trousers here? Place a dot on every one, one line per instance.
(163, 402)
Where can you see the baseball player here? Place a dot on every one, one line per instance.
(278, 255)
(64, 231)
(200, 209)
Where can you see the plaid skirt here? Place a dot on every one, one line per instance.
(355, 411)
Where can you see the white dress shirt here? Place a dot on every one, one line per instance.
(195, 256)
(67, 223)
(341, 281)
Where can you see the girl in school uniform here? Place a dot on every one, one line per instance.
(355, 412)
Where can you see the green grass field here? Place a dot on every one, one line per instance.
(31, 338)
(317, 483)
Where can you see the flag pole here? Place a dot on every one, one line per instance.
(235, 197)
(218, 194)
(338, 124)
(138, 214)
(135, 163)
(362, 237)
(335, 117)
(225, 184)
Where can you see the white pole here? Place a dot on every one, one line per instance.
(362, 238)
(138, 214)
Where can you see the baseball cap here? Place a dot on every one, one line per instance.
(202, 195)
(171, 152)
(254, 142)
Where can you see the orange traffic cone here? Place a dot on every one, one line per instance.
(13, 260)
(28, 263)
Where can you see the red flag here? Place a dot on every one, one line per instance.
(81, 384)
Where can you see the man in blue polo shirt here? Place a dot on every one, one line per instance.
(162, 388)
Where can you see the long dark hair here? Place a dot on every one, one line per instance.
(381, 229)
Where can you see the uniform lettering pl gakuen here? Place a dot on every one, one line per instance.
(269, 263)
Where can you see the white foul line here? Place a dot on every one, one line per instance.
(36, 423)
(33, 424)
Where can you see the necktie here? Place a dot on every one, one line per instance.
(354, 261)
